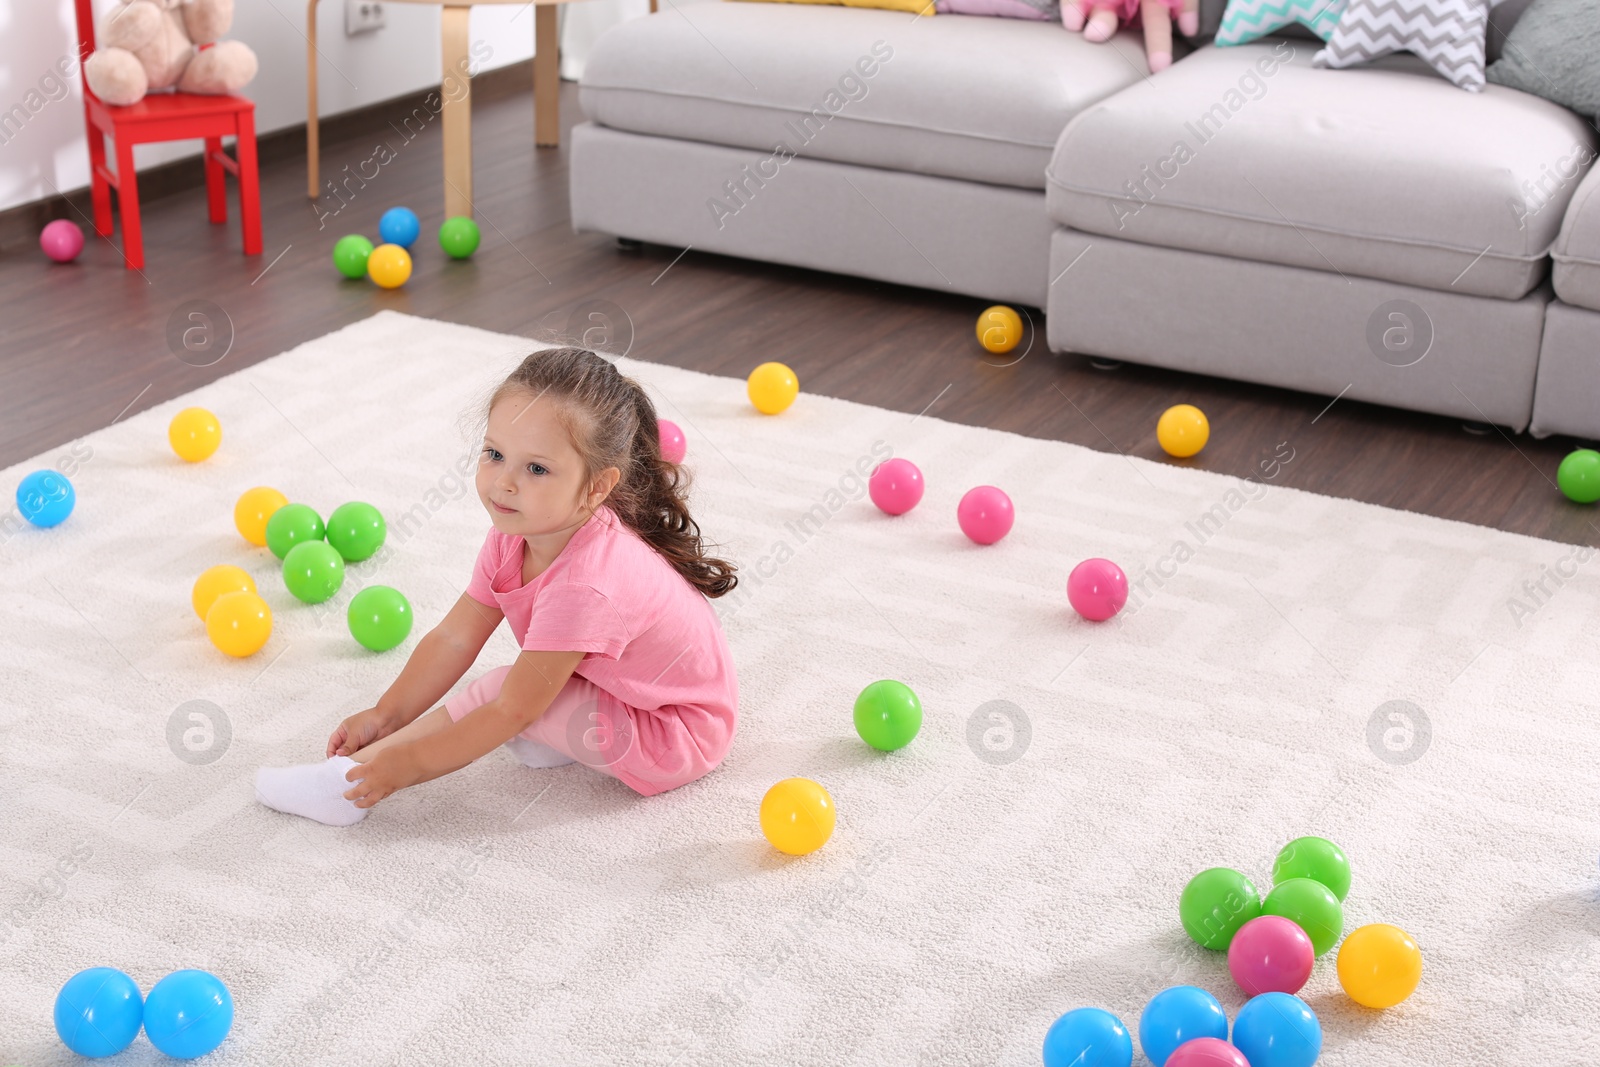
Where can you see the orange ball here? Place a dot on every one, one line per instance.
(999, 329)
(253, 509)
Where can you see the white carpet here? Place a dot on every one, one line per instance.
(504, 915)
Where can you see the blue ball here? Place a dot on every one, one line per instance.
(1176, 1015)
(188, 1013)
(399, 226)
(45, 498)
(1277, 1030)
(98, 1012)
(1088, 1037)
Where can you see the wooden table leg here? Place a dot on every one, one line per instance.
(456, 113)
(546, 76)
(313, 152)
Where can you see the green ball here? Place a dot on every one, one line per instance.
(1316, 858)
(291, 525)
(313, 571)
(888, 715)
(1579, 476)
(459, 237)
(380, 617)
(1311, 906)
(1215, 904)
(357, 530)
(350, 255)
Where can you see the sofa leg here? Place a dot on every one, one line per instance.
(1099, 363)
(1477, 429)
(628, 244)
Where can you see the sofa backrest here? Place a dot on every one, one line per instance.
(1501, 18)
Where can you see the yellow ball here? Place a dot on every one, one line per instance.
(194, 434)
(239, 623)
(1379, 965)
(999, 329)
(797, 816)
(772, 387)
(253, 510)
(216, 581)
(389, 266)
(1183, 430)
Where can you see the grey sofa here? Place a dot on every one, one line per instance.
(1373, 233)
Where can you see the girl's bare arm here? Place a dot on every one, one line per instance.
(439, 660)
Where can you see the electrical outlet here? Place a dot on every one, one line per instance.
(362, 16)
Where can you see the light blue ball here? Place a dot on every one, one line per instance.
(1088, 1037)
(1277, 1030)
(399, 226)
(98, 1012)
(45, 498)
(1173, 1016)
(188, 1013)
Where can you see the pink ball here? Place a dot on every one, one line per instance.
(1207, 1052)
(895, 486)
(985, 514)
(673, 445)
(61, 240)
(1097, 589)
(1270, 954)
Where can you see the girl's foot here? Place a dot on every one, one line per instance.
(313, 790)
(1102, 24)
(533, 754)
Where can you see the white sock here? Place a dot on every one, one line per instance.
(314, 790)
(533, 754)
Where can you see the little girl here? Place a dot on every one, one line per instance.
(599, 568)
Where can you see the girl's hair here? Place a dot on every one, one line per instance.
(612, 423)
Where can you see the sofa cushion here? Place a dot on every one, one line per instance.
(1577, 250)
(1388, 172)
(954, 96)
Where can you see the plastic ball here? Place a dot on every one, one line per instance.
(194, 434)
(99, 1012)
(985, 514)
(1183, 430)
(389, 266)
(999, 329)
(797, 816)
(291, 525)
(1177, 1015)
(357, 530)
(399, 226)
(1207, 1052)
(313, 571)
(459, 237)
(1311, 906)
(188, 1013)
(379, 617)
(1270, 954)
(895, 486)
(772, 388)
(1097, 589)
(1316, 858)
(1277, 1030)
(45, 498)
(252, 511)
(350, 255)
(1379, 965)
(223, 578)
(239, 623)
(673, 444)
(1215, 904)
(1579, 476)
(888, 715)
(61, 240)
(1088, 1037)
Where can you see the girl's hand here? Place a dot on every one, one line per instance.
(360, 730)
(388, 772)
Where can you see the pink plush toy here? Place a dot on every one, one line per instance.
(1098, 19)
(145, 45)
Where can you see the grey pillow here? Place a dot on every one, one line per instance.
(1554, 51)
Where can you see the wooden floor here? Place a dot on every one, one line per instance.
(88, 344)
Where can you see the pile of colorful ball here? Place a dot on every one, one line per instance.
(100, 1011)
(389, 263)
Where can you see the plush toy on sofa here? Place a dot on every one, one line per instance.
(146, 45)
(1098, 19)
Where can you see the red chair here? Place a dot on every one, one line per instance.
(167, 116)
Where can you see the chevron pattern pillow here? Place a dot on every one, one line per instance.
(1446, 33)
(1246, 20)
